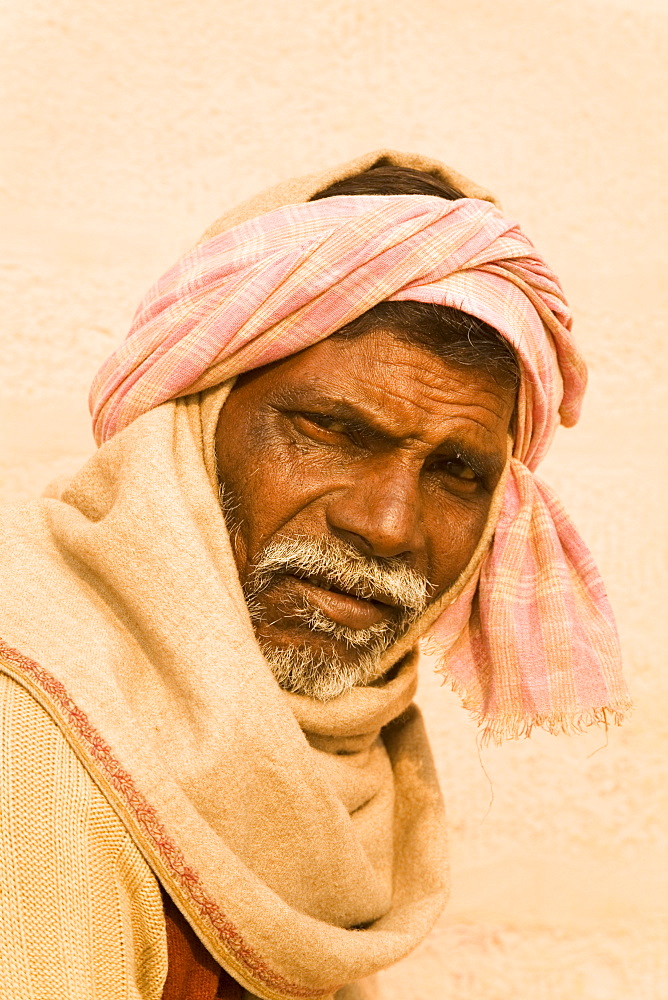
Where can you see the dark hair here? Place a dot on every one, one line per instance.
(453, 335)
(384, 178)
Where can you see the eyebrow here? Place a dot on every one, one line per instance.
(483, 463)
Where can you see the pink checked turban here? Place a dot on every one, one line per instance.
(532, 639)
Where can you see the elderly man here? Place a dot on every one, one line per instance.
(316, 449)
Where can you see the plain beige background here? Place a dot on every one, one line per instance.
(129, 125)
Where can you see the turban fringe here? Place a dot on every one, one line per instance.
(532, 641)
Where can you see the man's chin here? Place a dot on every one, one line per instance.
(321, 670)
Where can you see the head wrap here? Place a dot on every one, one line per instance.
(532, 639)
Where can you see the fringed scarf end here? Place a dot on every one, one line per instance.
(513, 726)
(519, 725)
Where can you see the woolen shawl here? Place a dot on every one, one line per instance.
(304, 842)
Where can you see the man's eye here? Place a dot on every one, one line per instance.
(463, 471)
(320, 425)
(460, 470)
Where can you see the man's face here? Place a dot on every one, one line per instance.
(357, 478)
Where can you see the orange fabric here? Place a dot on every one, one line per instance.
(192, 974)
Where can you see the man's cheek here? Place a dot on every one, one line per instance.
(270, 502)
(454, 540)
(297, 481)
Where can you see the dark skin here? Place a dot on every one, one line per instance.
(373, 441)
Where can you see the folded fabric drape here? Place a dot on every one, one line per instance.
(531, 640)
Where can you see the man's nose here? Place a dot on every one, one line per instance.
(379, 513)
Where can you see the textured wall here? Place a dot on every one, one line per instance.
(132, 124)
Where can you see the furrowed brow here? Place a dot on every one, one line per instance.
(352, 416)
(483, 463)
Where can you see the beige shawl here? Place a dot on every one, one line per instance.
(304, 842)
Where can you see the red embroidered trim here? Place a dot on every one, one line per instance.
(148, 820)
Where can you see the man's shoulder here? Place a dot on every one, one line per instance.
(38, 762)
(71, 867)
(49, 800)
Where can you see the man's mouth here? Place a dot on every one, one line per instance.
(332, 590)
(347, 608)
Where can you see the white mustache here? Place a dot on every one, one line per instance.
(332, 563)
